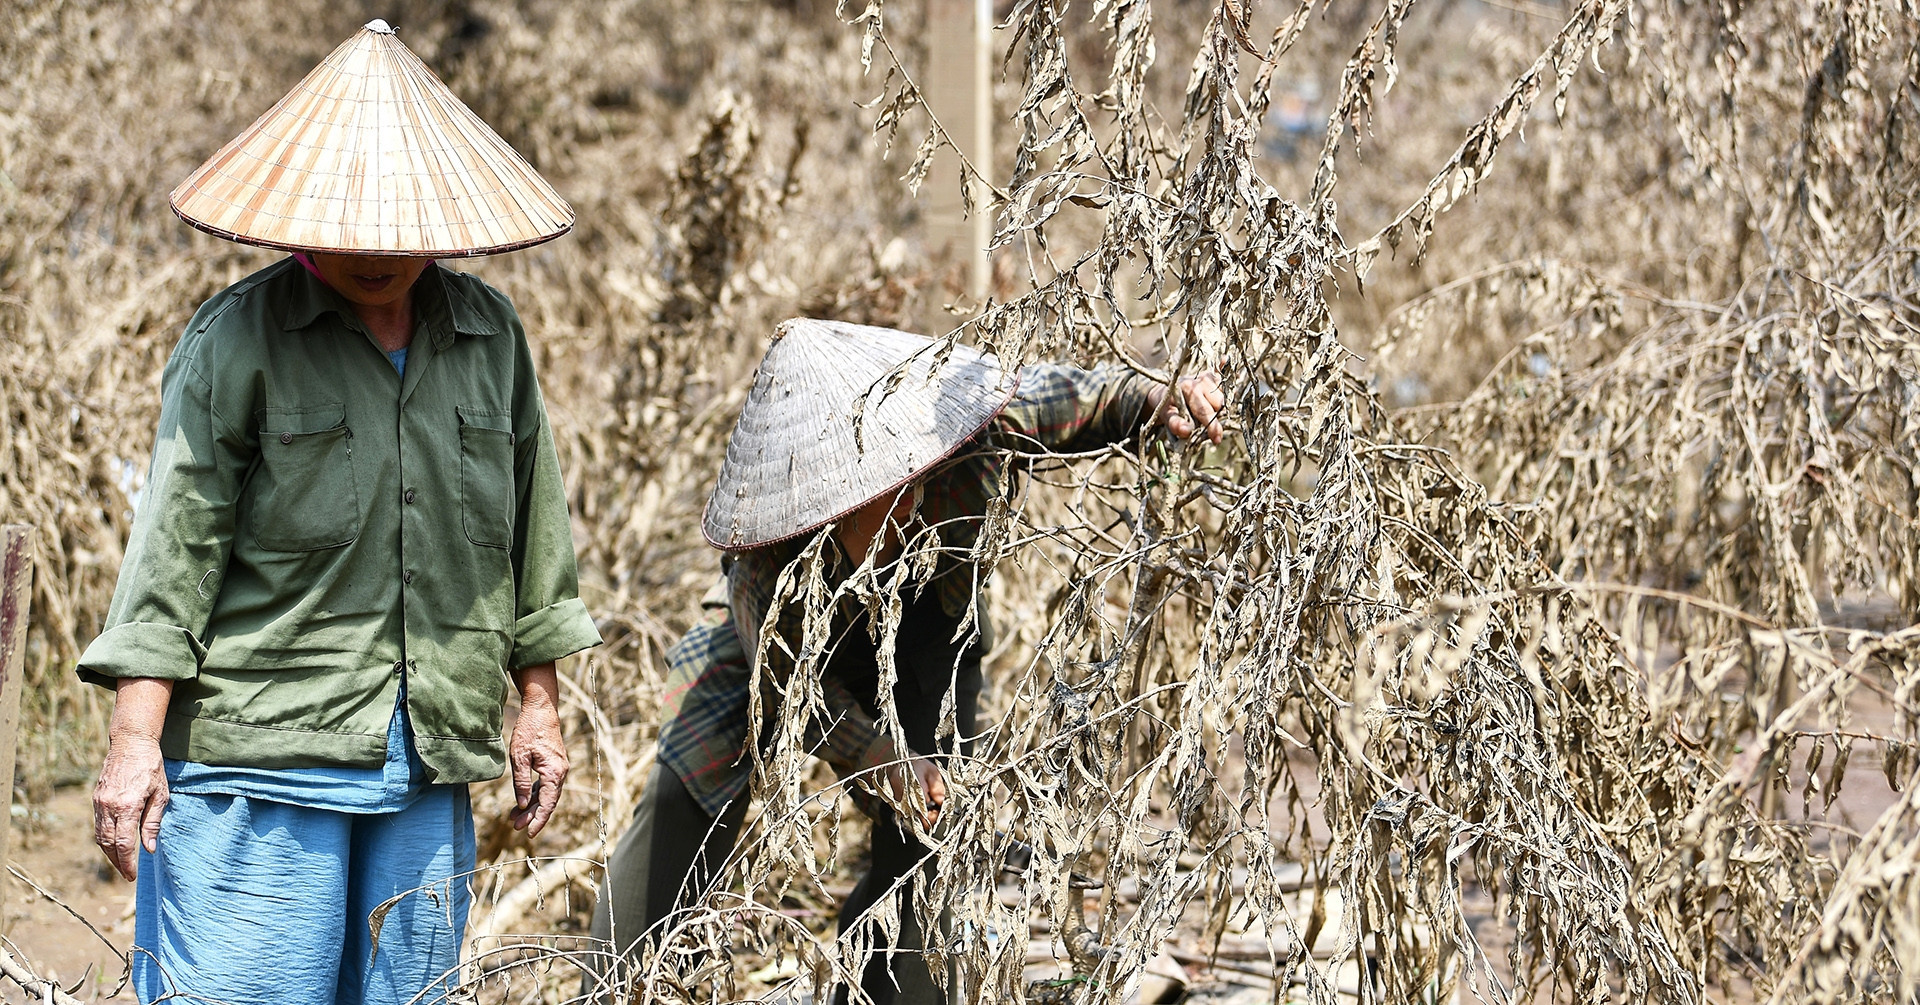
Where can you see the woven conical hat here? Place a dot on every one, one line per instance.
(824, 430)
(371, 154)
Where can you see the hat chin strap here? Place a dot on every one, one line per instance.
(307, 260)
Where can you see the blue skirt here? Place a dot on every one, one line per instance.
(251, 900)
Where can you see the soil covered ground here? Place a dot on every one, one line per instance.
(53, 850)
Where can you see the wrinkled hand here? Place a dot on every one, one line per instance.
(1202, 400)
(537, 751)
(927, 775)
(128, 800)
(132, 790)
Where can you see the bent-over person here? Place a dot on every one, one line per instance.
(929, 456)
(353, 535)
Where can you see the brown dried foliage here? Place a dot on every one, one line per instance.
(1560, 614)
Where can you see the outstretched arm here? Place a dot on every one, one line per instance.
(1068, 410)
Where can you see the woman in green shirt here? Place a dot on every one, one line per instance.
(352, 536)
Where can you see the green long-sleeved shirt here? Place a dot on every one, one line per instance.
(314, 527)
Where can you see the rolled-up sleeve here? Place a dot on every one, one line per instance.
(550, 621)
(553, 631)
(182, 537)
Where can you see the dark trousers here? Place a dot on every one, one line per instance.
(670, 856)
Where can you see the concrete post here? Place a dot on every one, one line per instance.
(959, 90)
(15, 590)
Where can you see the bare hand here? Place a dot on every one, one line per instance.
(932, 784)
(537, 751)
(127, 802)
(1203, 401)
(131, 792)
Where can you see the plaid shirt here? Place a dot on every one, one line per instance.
(706, 711)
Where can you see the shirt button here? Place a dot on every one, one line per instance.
(286, 438)
(408, 497)
(408, 578)
(399, 666)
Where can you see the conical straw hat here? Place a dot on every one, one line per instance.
(825, 430)
(371, 154)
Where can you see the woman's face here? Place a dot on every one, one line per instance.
(886, 513)
(370, 280)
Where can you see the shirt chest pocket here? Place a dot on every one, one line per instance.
(303, 496)
(486, 475)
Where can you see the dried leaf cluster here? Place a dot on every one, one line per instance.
(1517, 644)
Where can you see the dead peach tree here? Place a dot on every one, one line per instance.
(1491, 640)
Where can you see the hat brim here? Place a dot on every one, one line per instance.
(429, 253)
(371, 154)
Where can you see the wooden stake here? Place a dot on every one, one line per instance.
(15, 589)
(960, 93)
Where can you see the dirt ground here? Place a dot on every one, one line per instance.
(53, 847)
